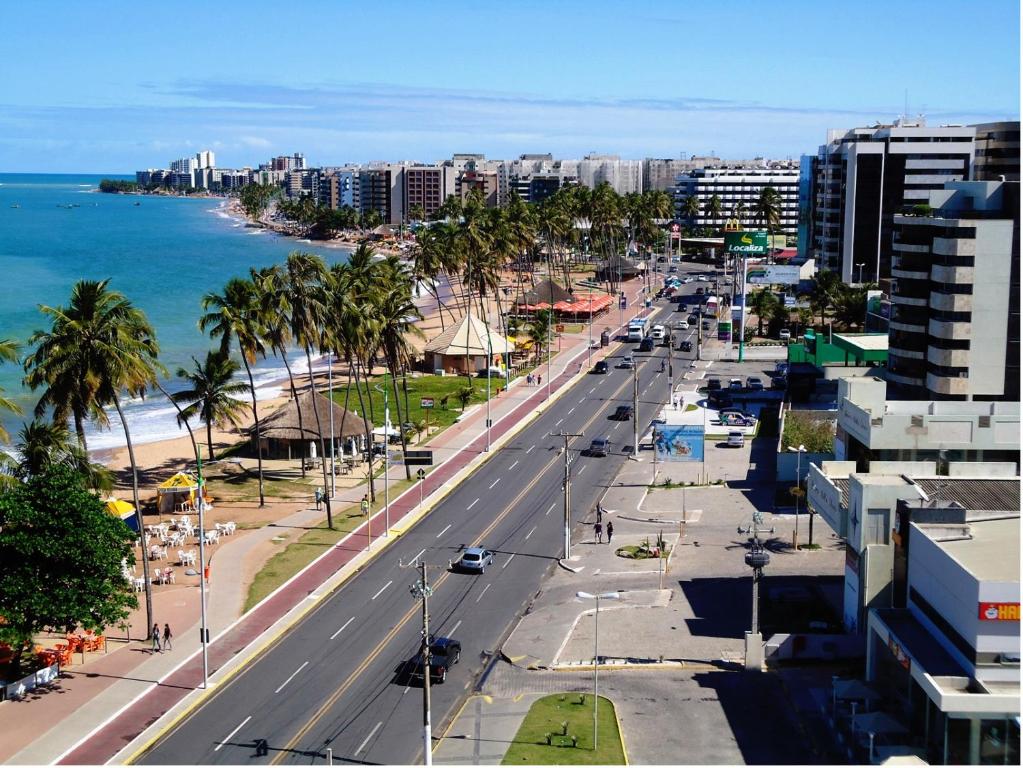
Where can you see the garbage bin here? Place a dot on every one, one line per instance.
(605, 338)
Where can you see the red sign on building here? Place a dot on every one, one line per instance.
(998, 611)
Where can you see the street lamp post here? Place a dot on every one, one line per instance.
(387, 464)
(635, 411)
(566, 485)
(596, 620)
(330, 397)
(860, 268)
(799, 467)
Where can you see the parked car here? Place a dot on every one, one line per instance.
(754, 383)
(713, 384)
(736, 439)
(673, 268)
(735, 384)
(647, 345)
(476, 559)
(781, 369)
(622, 413)
(779, 382)
(628, 361)
(600, 367)
(706, 325)
(600, 446)
(785, 334)
(444, 654)
(699, 291)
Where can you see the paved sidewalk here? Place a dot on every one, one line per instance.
(103, 706)
(483, 730)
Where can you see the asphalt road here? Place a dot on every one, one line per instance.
(332, 680)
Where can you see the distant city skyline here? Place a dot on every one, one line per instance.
(115, 86)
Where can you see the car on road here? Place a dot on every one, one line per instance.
(599, 446)
(699, 291)
(444, 654)
(685, 346)
(779, 382)
(703, 278)
(713, 384)
(657, 332)
(600, 367)
(706, 325)
(673, 268)
(754, 383)
(693, 317)
(682, 325)
(647, 345)
(622, 413)
(476, 559)
(688, 280)
(628, 361)
(736, 439)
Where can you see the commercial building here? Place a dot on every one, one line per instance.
(737, 190)
(295, 162)
(381, 189)
(339, 188)
(864, 176)
(428, 186)
(955, 311)
(997, 152)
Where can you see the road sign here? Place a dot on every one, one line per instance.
(421, 474)
(412, 458)
(675, 229)
(426, 402)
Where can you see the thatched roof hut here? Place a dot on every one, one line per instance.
(546, 292)
(281, 430)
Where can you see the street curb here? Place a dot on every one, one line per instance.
(621, 733)
(561, 562)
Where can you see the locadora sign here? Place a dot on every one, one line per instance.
(998, 611)
(746, 243)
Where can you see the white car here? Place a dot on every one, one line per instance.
(703, 279)
(688, 280)
(657, 332)
(785, 334)
(682, 325)
(736, 439)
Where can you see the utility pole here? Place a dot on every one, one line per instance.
(742, 315)
(566, 485)
(421, 590)
(330, 397)
(387, 463)
(671, 371)
(635, 412)
(699, 333)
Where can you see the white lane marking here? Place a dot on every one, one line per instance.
(381, 590)
(513, 464)
(420, 553)
(304, 664)
(617, 425)
(455, 628)
(530, 448)
(570, 411)
(232, 733)
(371, 735)
(581, 469)
(591, 391)
(342, 628)
(551, 509)
(441, 533)
(583, 398)
(508, 561)
(559, 422)
(495, 483)
(480, 597)
(530, 534)
(471, 506)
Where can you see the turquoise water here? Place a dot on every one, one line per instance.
(163, 254)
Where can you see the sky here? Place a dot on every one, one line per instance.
(111, 87)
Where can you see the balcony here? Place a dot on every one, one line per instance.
(949, 330)
(895, 325)
(952, 302)
(945, 246)
(949, 358)
(948, 385)
(909, 272)
(910, 301)
(952, 275)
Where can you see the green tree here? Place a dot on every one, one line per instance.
(767, 209)
(62, 554)
(823, 292)
(714, 209)
(212, 394)
(255, 198)
(765, 305)
(691, 208)
(539, 330)
(851, 306)
(416, 213)
(42, 445)
(8, 353)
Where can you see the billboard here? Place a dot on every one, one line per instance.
(773, 274)
(679, 442)
(725, 330)
(746, 243)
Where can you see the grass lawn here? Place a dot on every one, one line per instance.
(546, 716)
(419, 387)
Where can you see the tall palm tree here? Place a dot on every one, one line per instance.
(766, 305)
(714, 209)
(8, 353)
(768, 210)
(234, 316)
(824, 291)
(42, 444)
(428, 262)
(108, 343)
(691, 208)
(212, 394)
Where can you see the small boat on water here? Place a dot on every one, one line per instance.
(15, 205)
(138, 204)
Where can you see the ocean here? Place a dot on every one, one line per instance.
(164, 254)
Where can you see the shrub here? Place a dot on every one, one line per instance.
(803, 429)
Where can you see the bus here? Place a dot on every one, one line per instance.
(711, 307)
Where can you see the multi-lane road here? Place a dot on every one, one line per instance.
(333, 680)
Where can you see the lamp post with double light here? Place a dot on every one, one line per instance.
(799, 487)
(596, 618)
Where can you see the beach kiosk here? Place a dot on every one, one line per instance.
(177, 493)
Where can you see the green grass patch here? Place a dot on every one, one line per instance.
(640, 552)
(245, 487)
(575, 711)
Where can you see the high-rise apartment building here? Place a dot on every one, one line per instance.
(737, 191)
(183, 165)
(295, 162)
(997, 151)
(428, 186)
(624, 176)
(381, 189)
(865, 176)
(955, 325)
(483, 181)
(339, 188)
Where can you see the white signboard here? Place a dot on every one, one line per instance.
(772, 274)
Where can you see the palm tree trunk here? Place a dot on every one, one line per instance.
(259, 442)
(369, 434)
(191, 435)
(80, 429)
(138, 515)
(294, 394)
(401, 428)
(319, 431)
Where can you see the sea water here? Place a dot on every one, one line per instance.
(162, 253)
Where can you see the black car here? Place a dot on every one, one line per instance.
(444, 653)
(647, 345)
(600, 367)
(754, 383)
(719, 399)
(686, 346)
(622, 413)
(779, 382)
(706, 325)
(713, 384)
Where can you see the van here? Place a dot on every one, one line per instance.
(736, 439)
(657, 332)
(636, 332)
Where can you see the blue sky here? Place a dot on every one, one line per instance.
(115, 86)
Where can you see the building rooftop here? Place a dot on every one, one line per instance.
(988, 549)
(982, 494)
(867, 342)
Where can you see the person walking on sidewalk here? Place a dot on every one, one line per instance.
(319, 498)
(529, 379)
(167, 637)
(364, 505)
(156, 638)
(600, 513)
(610, 531)
(539, 380)
(598, 529)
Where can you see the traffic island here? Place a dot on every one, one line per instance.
(558, 730)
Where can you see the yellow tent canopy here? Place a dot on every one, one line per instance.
(178, 483)
(119, 507)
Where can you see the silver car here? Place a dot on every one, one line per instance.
(476, 559)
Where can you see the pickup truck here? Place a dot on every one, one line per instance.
(444, 653)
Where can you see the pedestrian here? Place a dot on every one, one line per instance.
(529, 379)
(598, 529)
(167, 637)
(600, 513)
(539, 379)
(319, 498)
(156, 638)
(364, 505)
(610, 531)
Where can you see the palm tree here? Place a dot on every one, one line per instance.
(768, 210)
(765, 304)
(234, 315)
(429, 259)
(9, 353)
(539, 331)
(851, 306)
(824, 291)
(691, 208)
(714, 210)
(42, 444)
(739, 211)
(212, 395)
(106, 342)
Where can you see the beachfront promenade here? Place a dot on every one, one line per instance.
(129, 689)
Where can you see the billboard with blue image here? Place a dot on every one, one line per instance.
(679, 442)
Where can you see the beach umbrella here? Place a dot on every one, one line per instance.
(119, 507)
(181, 482)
